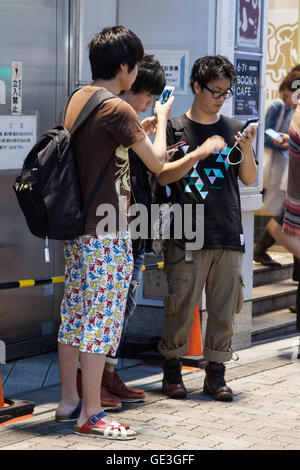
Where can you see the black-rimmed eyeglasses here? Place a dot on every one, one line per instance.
(217, 95)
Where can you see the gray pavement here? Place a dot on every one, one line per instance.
(264, 415)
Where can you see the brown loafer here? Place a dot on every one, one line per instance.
(114, 385)
(108, 401)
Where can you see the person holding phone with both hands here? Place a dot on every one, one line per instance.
(205, 175)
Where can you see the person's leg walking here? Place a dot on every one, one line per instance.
(291, 243)
(260, 254)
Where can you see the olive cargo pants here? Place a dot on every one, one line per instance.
(219, 271)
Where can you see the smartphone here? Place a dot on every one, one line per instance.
(251, 122)
(176, 146)
(274, 134)
(166, 93)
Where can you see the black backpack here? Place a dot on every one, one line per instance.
(48, 188)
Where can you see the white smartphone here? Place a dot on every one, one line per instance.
(250, 123)
(274, 134)
(166, 93)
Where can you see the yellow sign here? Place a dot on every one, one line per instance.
(282, 50)
(282, 46)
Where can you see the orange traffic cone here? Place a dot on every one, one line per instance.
(13, 410)
(195, 339)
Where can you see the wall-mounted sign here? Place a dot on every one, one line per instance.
(17, 135)
(247, 89)
(249, 17)
(176, 66)
(16, 87)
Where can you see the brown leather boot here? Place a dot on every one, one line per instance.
(214, 382)
(108, 401)
(172, 384)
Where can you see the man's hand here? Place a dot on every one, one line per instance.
(282, 144)
(164, 110)
(247, 170)
(174, 171)
(210, 145)
(150, 125)
(154, 154)
(246, 138)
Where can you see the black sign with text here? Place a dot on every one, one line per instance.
(247, 87)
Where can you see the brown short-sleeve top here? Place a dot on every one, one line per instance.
(106, 135)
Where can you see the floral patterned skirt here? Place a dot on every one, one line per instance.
(98, 271)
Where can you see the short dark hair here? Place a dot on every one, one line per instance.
(150, 77)
(210, 68)
(291, 82)
(296, 68)
(111, 48)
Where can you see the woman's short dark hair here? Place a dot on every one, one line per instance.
(150, 77)
(296, 68)
(290, 82)
(211, 68)
(111, 48)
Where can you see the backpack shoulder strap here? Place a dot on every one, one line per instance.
(94, 102)
(177, 123)
(61, 118)
(177, 128)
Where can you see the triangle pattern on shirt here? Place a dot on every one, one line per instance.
(187, 189)
(212, 174)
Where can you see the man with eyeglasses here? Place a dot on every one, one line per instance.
(212, 181)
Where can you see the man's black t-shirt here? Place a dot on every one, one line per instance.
(212, 182)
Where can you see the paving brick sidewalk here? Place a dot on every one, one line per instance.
(265, 412)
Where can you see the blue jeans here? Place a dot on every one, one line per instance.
(132, 294)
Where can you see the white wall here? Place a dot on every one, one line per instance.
(174, 25)
(161, 24)
(94, 15)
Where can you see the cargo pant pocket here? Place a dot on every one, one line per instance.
(240, 295)
(177, 295)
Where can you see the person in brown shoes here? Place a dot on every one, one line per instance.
(207, 180)
(149, 83)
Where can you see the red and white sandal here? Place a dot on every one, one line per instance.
(97, 428)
